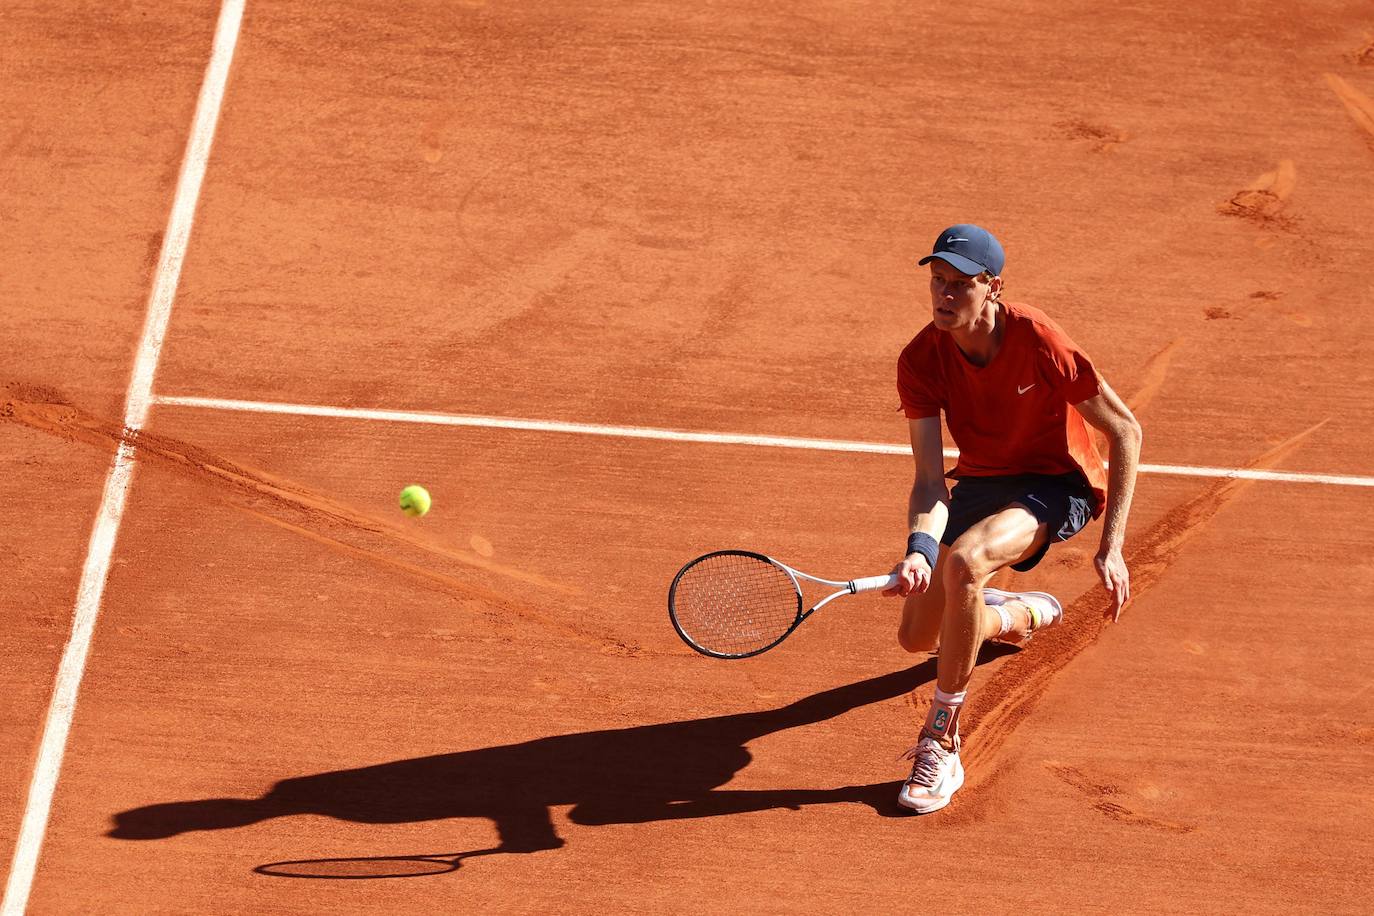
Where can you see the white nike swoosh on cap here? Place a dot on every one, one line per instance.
(953, 239)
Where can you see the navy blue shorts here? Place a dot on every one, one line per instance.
(1064, 502)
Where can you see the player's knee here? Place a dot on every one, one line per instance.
(914, 641)
(964, 567)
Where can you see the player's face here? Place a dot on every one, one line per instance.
(958, 299)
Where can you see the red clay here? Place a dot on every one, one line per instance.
(703, 220)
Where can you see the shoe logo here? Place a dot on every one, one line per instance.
(1020, 390)
(950, 239)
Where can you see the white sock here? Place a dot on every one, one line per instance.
(950, 699)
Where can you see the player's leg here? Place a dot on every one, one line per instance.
(923, 614)
(1012, 619)
(1019, 614)
(1005, 537)
(1002, 539)
(1004, 522)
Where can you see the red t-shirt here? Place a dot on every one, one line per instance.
(1014, 415)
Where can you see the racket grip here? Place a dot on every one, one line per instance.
(872, 583)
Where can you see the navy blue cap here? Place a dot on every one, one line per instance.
(968, 249)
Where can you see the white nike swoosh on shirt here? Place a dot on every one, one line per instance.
(1020, 390)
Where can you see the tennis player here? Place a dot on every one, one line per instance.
(1015, 391)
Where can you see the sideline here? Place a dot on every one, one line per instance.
(138, 401)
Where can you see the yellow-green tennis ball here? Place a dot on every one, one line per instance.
(415, 500)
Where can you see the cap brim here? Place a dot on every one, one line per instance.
(957, 261)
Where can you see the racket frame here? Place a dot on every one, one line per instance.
(849, 587)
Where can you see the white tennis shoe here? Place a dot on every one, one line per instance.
(1045, 608)
(936, 774)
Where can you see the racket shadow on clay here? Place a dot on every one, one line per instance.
(657, 772)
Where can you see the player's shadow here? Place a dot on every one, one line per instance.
(664, 771)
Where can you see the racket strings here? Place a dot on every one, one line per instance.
(735, 604)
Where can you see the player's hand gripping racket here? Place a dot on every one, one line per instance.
(736, 603)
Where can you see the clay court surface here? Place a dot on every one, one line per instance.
(698, 217)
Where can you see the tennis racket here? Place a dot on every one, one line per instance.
(736, 603)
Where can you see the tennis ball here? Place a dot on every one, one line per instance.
(415, 500)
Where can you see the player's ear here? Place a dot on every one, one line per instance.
(994, 286)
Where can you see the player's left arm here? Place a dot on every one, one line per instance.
(1106, 411)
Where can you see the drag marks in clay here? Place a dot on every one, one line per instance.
(1365, 55)
(1110, 800)
(1359, 106)
(1156, 371)
(311, 514)
(1014, 691)
(1099, 138)
(1264, 199)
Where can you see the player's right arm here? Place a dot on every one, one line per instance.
(928, 507)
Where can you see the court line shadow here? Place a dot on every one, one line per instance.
(658, 772)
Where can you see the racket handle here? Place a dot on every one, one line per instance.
(873, 583)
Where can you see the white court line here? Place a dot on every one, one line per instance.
(676, 435)
(138, 401)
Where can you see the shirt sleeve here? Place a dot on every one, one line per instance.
(917, 385)
(1069, 369)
